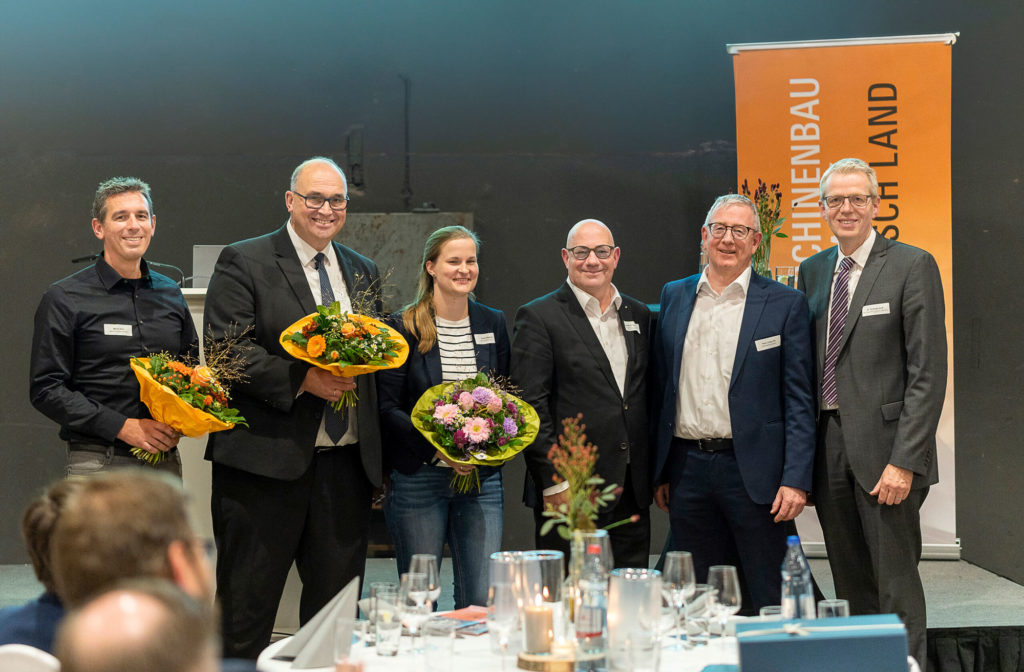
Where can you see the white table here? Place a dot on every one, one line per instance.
(473, 653)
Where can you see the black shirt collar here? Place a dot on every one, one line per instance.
(109, 277)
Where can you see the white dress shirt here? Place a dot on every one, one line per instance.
(306, 254)
(860, 258)
(702, 404)
(608, 328)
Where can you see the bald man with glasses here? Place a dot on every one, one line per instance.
(583, 349)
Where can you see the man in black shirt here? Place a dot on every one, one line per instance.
(90, 324)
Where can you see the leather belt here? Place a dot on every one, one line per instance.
(708, 445)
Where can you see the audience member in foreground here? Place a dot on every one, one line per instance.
(35, 623)
(140, 626)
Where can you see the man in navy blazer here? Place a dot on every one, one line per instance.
(584, 349)
(291, 485)
(734, 406)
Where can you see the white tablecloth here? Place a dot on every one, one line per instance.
(473, 653)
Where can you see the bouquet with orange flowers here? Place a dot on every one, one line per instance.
(346, 344)
(191, 399)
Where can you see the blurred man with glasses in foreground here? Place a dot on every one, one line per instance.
(734, 399)
(879, 317)
(583, 349)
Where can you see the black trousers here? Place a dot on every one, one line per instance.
(321, 521)
(631, 543)
(873, 549)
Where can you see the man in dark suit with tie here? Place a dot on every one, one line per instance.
(734, 423)
(296, 484)
(583, 349)
(881, 342)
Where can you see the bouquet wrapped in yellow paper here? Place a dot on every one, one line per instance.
(346, 344)
(189, 399)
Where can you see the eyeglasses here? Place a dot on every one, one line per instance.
(582, 252)
(317, 202)
(739, 232)
(856, 200)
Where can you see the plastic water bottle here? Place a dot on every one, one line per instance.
(797, 589)
(592, 615)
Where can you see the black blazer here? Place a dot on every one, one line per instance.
(562, 370)
(405, 449)
(260, 283)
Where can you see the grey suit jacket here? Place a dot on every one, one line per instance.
(891, 370)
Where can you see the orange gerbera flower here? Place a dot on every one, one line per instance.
(348, 329)
(202, 375)
(179, 367)
(335, 355)
(316, 346)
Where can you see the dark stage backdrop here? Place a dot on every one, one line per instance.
(529, 115)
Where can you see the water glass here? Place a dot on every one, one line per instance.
(502, 615)
(833, 609)
(728, 599)
(439, 643)
(786, 275)
(698, 616)
(389, 623)
(634, 612)
(375, 588)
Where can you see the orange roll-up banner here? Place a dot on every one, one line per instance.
(801, 106)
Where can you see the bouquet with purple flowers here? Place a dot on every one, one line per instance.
(475, 421)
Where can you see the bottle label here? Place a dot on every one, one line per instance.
(589, 622)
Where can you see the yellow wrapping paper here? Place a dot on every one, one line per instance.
(401, 348)
(166, 407)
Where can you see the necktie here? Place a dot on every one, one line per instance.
(335, 422)
(836, 324)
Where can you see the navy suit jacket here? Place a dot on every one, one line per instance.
(33, 624)
(771, 393)
(259, 283)
(405, 449)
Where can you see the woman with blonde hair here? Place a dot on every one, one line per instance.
(451, 337)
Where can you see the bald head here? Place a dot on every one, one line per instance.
(592, 273)
(588, 227)
(141, 627)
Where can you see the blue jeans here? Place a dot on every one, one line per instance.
(423, 513)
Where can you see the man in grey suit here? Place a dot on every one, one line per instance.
(583, 348)
(297, 483)
(878, 311)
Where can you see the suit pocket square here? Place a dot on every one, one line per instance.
(768, 343)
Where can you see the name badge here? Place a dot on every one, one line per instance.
(630, 325)
(875, 309)
(484, 339)
(768, 343)
(117, 329)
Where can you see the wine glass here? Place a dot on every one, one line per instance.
(413, 605)
(724, 580)
(425, 563)
(502, 613)
(678, 585)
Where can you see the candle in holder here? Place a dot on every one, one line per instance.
(538, 628)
